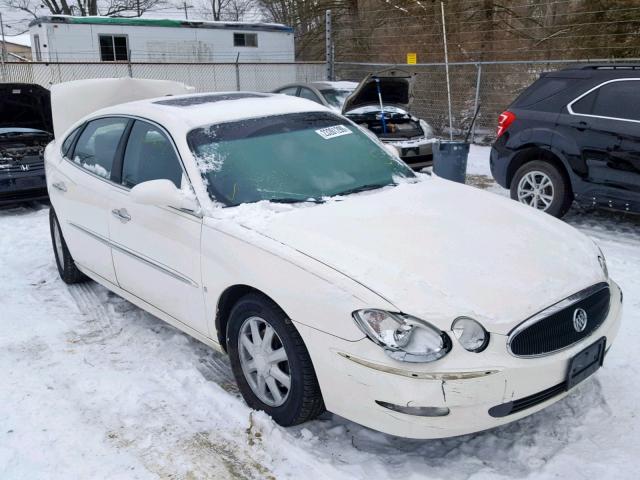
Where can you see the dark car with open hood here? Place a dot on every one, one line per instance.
(26, 128)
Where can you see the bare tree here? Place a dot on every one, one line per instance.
(307, 17)
(237, 10)
(110, 8)
(230, 10)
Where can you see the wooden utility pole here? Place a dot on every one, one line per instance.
(4, 45)
(186, 7)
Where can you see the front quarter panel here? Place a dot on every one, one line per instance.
(310, 293)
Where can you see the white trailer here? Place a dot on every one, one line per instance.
(62, 38)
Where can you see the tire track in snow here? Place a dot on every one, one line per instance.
(206, 453)
(99, 318)
(214, 367)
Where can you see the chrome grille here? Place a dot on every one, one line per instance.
(34, 164)
(553, 329)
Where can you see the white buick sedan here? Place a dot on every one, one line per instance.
(334, 277)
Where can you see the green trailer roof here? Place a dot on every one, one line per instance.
(160, 22)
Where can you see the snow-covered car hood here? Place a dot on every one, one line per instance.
(396, 89)
(439, 250)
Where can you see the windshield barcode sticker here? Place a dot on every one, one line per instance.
(333, 132)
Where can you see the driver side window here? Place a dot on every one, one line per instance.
(150, 155)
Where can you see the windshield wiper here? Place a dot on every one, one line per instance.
(295, 200)
(364, 188)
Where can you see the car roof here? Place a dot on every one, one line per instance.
(604, 66)
(322, 85)
(185, 112)
(341, 85)
(596, 71)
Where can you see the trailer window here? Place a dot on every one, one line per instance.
(36, 45)
(114, 48)
(245, 39)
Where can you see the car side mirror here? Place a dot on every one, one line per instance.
(161, 193)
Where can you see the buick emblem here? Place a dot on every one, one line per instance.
(24, 167)
(579, 320)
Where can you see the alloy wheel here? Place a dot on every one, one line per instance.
(536, 190)
(264, 361)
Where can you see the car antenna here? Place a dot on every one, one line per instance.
(384, 122)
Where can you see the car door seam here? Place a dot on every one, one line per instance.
(162, 268)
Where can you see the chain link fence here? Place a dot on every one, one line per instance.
(491, 86)
(203, 76)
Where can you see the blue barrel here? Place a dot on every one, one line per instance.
(450, 160)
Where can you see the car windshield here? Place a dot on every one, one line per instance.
(291, 158)
(335, 97)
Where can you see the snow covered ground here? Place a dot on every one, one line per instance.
(92, 387)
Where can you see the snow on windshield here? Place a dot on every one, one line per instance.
(290, 158)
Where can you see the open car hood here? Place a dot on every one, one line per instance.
(25, 105)
(72, 101)
(396, 88)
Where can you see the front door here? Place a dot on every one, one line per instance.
(156, 250)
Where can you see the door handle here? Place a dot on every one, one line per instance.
(59, 186)
(581, 125)
(121, 214)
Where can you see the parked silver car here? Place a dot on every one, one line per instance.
(389, 91)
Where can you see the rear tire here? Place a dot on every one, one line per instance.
(541, 185)
(64, 261)
(288, 389)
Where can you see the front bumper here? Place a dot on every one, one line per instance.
(354, 375)
(417, 153)
(17, 187)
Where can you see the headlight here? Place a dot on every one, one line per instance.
(603, 263)
(403, 337)
(471, 335)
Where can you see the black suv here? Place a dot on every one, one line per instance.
(573, 134)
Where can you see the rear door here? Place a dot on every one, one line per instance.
(607, 122)
(82, 188)
(156, 250)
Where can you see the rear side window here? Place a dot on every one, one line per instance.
(542, 89)
(97, 145)
(309, 95)
(68, 142)
(150, 156)
(620, 99)
(289, 91)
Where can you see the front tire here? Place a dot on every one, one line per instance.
(64, 261)
(270, 362)
(541, 185)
